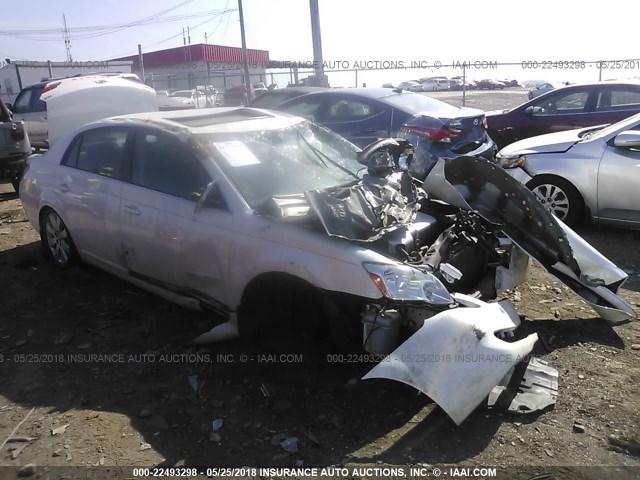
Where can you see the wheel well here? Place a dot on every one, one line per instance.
(43, 210)
(585, 212)
(544, 176)
(277, 299)
(273, 297)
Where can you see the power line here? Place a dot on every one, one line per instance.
(223, 13)
(100, 30)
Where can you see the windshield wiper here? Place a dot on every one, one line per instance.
(324, 156)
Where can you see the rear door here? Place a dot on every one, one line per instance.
(90, 184)
(33, 111)
(613, 103)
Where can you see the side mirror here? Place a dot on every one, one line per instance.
(211, 198)
(627, 139)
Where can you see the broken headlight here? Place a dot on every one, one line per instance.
(402, 282)
(512, 161)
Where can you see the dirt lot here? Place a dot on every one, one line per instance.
(134, 405)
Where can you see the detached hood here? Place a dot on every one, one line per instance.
(477, 184)
(76, 101)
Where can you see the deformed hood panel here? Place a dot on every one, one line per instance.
(479, 185)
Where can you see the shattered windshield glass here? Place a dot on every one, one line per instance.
(283, 161)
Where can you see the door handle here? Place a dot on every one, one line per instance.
(64, 188)
(131, 209)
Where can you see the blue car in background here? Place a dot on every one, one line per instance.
(362, 115)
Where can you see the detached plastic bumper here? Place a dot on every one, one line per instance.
(456, 358)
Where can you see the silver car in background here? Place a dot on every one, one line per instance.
(586, 173)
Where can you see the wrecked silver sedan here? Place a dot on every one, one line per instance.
(262, 217)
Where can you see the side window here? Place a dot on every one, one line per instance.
(618, 99)
(102, 152)
(164, 164)
(349, 110)
(70, 158)
(305, 108)
(23, 102)
(563, 104)
(37, 105)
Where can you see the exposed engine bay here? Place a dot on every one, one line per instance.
(460, 236)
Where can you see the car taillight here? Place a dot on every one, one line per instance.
(484, 123)
(434, 134)
(50, 86)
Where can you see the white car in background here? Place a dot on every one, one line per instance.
(411, 85)
(435, 84)
(196, 97)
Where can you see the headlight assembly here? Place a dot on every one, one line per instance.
(402, 282)
(513, 161)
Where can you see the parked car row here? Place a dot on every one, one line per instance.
(437, 84)
(435, 129)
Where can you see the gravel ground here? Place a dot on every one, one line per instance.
(95, 372)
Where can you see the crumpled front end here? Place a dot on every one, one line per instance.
(475, 184)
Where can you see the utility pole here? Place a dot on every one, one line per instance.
(247, 78)
(67, 38)
(141, 61)
(320, 78)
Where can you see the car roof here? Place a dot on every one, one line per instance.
(607, 83)
(301, 89)
(208, 120)
(368, 92)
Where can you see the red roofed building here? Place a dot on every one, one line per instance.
(188, 66)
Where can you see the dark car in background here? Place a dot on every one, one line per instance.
(490, 84)
(362, 115)
(14, 147)
(565, 108)
(276, 97)
(33, 112)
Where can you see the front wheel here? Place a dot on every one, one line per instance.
(560, 197)
(56, 240)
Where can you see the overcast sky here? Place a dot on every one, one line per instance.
(352, 30)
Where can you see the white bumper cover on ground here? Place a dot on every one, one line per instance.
(455, 357)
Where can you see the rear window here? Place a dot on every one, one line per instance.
(415, 103)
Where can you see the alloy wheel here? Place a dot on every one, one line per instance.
(554, 198)
(58, 239)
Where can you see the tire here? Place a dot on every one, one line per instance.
(560, 197)
(56, 240)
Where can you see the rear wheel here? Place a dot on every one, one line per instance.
(560, 197)
(56, 240)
